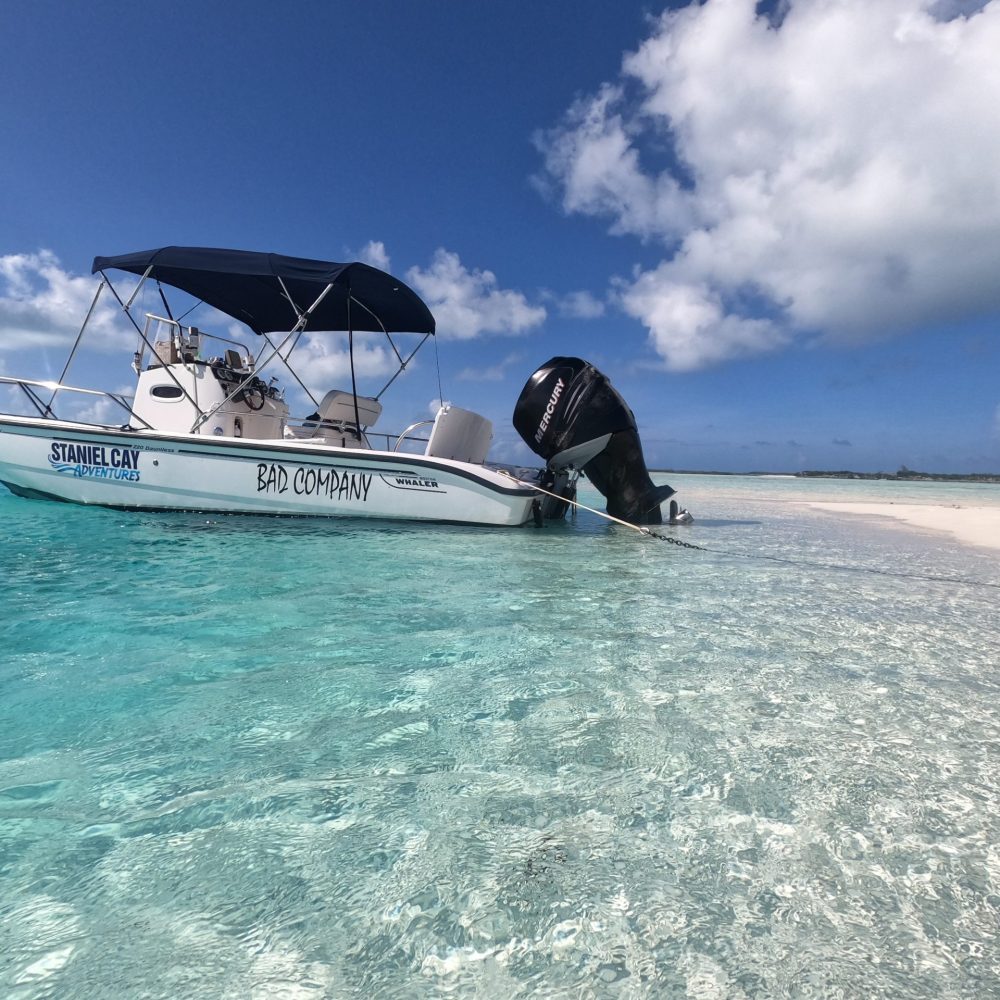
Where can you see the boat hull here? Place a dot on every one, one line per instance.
(150, 471)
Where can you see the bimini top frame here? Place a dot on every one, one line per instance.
(274, 293)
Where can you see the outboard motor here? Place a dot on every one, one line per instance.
(569, 414)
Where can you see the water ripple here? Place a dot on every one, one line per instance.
(242, 757)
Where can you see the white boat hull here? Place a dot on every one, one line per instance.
(153, 471)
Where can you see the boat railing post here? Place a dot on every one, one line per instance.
(35, 399)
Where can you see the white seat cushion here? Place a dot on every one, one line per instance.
(460, 434)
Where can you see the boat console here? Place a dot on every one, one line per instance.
(177, 389)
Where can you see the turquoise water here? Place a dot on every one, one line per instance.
(243, 757)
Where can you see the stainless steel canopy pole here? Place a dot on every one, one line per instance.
(350, 350)
(76, 344)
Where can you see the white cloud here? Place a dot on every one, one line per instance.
(579, 305)
(12, 400)
(468, 303)
(323, 361)
(595, 158)
(833, 172)
(94, 410)
(43, 305)
(689, 324)
(490, 373)
(374, 253)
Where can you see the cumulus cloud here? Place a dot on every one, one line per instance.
(829, 171)
(489, 373)
(467, 304)
(577, 305)
(374, 253)
(324, 362)
(43, 305)
(689, 323)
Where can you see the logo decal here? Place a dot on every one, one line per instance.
(329, 483)
(424, 484)
(95, 461)
(549, 410)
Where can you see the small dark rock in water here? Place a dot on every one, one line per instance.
(549, 853)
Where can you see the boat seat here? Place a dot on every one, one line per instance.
(338, 436)
(337, 407)
(461, 435)
(333, 421)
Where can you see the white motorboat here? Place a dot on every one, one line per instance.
(204, 432)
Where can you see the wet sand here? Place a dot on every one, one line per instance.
(970, 525)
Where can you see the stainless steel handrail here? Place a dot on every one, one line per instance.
(46, 412)
(307, 423)
(402, 437)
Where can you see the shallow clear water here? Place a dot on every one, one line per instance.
(244, 757)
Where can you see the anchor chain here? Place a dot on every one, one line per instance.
(677, 541)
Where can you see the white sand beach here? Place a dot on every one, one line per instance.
(970, 525)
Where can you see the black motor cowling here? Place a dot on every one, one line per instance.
(570, 415)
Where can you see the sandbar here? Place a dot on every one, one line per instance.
(970, 525)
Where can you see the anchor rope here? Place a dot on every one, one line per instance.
(576, 503)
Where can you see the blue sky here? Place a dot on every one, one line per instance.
(777, 231)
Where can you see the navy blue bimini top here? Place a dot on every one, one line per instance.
(245, 285)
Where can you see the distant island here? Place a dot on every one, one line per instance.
(902, 475)
(909, 475)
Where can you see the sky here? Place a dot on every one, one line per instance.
(774, 226)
